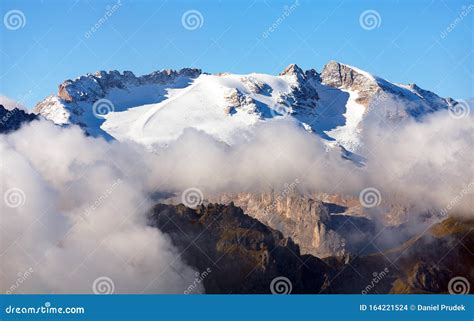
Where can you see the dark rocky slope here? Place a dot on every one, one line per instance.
(246, 255)
(424, 264)
(243, 254)
(11, 120)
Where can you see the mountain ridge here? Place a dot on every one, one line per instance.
(155, 108)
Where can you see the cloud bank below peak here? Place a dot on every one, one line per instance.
(78, 204)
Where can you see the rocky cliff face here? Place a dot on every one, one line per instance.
(242, 254)
(326, 225)
(97, 85)
(11, 120)
(338, 75)
(375, 91)
(321, 224)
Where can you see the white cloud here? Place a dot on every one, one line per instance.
(85, 199)
(82, 217)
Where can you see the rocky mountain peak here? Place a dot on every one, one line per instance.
(414, 87)
(367, 86)
(304, 90)
(338, 75)
(293, 70)
(312, 74)
(343, 76)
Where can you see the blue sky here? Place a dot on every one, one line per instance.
(405, 46)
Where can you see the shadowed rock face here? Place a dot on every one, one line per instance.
(94, 86)
(304, 93)
(303, 219)
(243, 255)
(424, 264)
(11, 120)
(322, 225)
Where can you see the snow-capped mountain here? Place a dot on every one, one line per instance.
(157, 108)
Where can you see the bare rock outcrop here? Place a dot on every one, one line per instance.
(307, 220)
(341, 76)
(241, 254)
